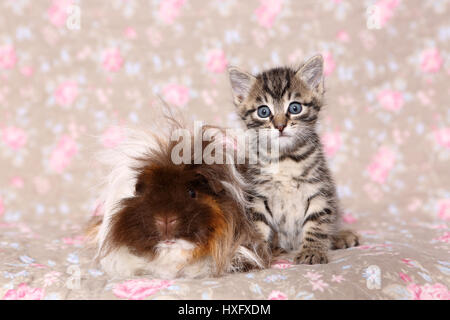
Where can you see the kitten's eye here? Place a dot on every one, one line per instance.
(263, 111)
(192, 193)
(295, 108)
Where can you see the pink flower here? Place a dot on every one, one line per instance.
(381, 165)
(170, 9)
(277, 295)
(7, 57)
(349, 218)
(112, 136)
(57, 13)
(409, 262)
(437, 291)
(17, 182)
(78, 240)
(282, 264)
(66, 93)
(216, 61)
(431, 60)
(404, 277)
(319, 285)
(445, 238)
(332, 142)
(63, 153)
(268, 11)
(337, 279)
(391, 100)
(51, 277)
(24, 292)
(14, 137)
(175, 94)
(444, 209)
(130, 33)
(27, 71)
(329, 64)
(139, 289)
(386, 10)
(343, 36)
(442, 137)
(112, 60)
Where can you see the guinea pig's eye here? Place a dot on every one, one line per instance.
(295, 108)
(263, 111)
(192, 193)
(139, 188)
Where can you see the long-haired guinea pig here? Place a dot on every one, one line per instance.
(173, 220)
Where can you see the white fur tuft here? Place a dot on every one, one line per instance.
(120, 182)
(243, 255)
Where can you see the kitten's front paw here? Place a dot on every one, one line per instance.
(345, 239)
(311, 256)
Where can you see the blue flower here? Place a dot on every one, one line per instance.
(26, 259)
(95, 272)
(73, 258)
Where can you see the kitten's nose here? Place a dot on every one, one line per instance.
(280, 122)
(281, 127)
(166, 225)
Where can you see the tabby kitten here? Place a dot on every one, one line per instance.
(296, 208)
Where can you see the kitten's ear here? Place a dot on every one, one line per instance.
(241, 82)
(312, 73)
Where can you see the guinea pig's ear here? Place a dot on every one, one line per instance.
(143, 180)
(206, 183)
(139, 187)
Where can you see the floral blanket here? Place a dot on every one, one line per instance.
(75, 72)
(396, 260)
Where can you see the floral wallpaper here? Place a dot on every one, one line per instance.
(74, 73)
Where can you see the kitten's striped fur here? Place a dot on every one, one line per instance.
(297, 207)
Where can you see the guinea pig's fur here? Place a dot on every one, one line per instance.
(169, 220)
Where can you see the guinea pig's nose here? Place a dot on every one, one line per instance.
(166, 225)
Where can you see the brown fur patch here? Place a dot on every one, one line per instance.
(215, 244)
